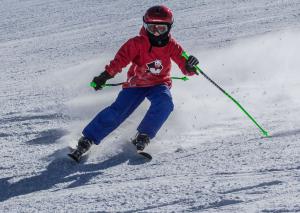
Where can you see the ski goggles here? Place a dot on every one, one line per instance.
(159, 28)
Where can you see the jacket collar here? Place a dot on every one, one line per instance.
(144, 34)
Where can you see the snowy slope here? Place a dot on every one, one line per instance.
(208, 157)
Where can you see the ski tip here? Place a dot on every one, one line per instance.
(145, 154)
(73, 157)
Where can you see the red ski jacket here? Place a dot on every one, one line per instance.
(150, 65)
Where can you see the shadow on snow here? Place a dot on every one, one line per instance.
(63, 170)
(287, 133)
(47, 137)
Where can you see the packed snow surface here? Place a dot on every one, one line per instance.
(208, 157)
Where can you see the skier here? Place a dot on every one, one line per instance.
(148, 77)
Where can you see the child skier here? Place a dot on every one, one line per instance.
(148, 77)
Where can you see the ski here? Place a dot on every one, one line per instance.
(145, 155)
(76, 156)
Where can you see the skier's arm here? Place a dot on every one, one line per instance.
(123, 57)
(186, 66)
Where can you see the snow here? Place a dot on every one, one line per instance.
(208, 157)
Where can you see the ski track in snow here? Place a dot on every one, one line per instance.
(208, 157)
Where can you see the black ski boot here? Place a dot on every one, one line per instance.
(83, 146)
(141, 141)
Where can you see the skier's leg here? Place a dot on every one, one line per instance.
(111, 117)
(160, 109)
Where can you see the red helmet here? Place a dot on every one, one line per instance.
(159, 14)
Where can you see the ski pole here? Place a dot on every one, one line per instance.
(198, 70)
(93, 84)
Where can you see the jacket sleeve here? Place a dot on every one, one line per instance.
(124, 56)
(176, 53)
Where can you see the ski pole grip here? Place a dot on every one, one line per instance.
(186, 56)
(93, 84)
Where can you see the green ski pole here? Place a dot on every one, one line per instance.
(93, 84)
(198, 70)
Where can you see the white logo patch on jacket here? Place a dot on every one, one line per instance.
(155, 67)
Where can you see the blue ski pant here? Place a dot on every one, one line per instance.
(127, 101)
